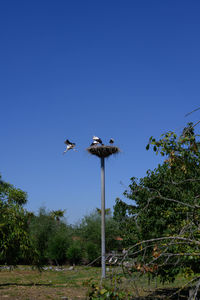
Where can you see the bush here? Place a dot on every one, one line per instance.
(50, 237)
(93, 251)
(107, 290)
(58, 244)
(90, 231)
(74, 253)
(41, 228)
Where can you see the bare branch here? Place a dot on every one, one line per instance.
(183, 181)
(176, 201)
(166, 238)
(192, 111)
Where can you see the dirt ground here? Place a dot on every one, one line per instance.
(25, 284)
(40, 293)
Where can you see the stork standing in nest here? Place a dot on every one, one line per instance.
(94, 143)
(97, 139)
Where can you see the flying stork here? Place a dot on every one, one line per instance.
(70, 146)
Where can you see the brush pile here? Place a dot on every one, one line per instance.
(103, 151)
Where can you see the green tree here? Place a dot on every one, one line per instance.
(41, 228)
(75, 253)
(89, 231)
(15, 244)
(58, 243)
(51, 236)
(162, 225)
(57, 214)
(107, 211)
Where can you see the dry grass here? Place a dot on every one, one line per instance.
(27, 284)
(23, 283)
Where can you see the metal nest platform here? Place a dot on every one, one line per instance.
(103, 151)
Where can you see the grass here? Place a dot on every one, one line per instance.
(27, 284)
(23, 283)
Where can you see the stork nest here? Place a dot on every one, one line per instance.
(103, 151)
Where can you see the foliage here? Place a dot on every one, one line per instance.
(57, 214)
(89, 230)
(74, 253)
(40, 230)
(10, 194)
(92, 251)
(106, 290)
(163, 221)
(107, 211)
(58, 243)
(15, 244)
(51, 236)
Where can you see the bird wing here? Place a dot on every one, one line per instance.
(67, 142)
(95, 138)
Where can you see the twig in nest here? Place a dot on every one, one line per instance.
(103, 151)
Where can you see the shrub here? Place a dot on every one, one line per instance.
(74, 253)
(106, 290)
(58, 244)
(93, 251)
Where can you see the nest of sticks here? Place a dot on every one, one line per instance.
(103, 151)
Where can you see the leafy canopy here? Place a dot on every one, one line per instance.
(165, 214)
(15, 244)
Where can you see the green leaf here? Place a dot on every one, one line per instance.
(103, 291)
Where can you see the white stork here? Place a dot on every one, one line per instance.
(70, 146)
(97, 139)
(94, 143)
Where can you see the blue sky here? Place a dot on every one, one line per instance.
(74, 69)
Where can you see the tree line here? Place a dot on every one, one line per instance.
(46, 237)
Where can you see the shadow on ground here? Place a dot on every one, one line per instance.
(169, 293)
(25, 284)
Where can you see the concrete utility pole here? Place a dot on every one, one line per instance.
(102, 152)
(103, 239)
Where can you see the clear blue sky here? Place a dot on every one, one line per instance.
(72, 69)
